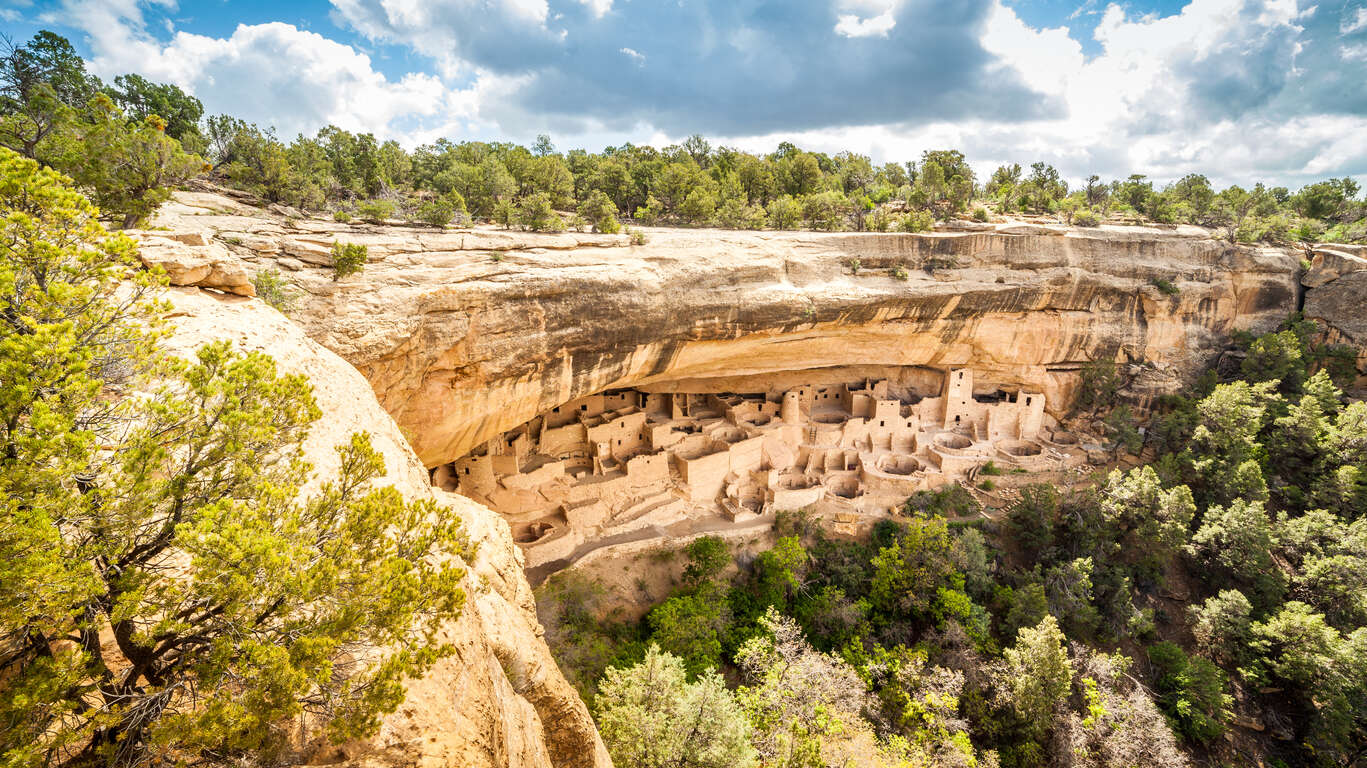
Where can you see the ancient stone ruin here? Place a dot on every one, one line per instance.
(618, 461)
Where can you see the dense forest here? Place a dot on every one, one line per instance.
(129, 142)
(1130, 622)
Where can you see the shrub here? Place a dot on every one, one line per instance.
(651, 212)
(505, 214)
(916, 221)
(436, 213)
(854, 265)
(899, 272)
(879, 221)
(637, 237)
(980, 214)
(1086, 218)
(784, 213)
(375, 211)
(275, 290)
(987, 484)
(599, 211)
(825, 210)
(990, 469)
(1191, 692)
(535, 213)
(1165, 286)
(341, 216)
(348, 259)
(735, 214)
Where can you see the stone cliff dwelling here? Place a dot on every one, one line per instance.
(622, 460)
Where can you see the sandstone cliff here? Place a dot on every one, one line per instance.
(500, 700)
(464, 334)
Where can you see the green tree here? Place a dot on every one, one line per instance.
(784, 213)
(708, 556)
(804, 706)
(1220, 624)
(535, 213)
(1036, 675)
(598, 210)
(348, 259)
(910, 574)
(1234, 544)
(139, 99)
(651, 716)
(41, 83)
(129, 170)
(1149, 521)
(825, 210)
(1191, 691)
(164, 590)
(692, 627)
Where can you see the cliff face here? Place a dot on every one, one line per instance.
(461, 335)
(500, 700)
(466, 334)
(1336, 296)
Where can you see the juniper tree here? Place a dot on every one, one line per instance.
(165, 592)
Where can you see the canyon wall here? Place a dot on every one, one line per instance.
(465, 334)
(460, 335)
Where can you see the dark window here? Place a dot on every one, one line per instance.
(584, 407)
(882, 424)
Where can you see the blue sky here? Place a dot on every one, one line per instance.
(1239, 89)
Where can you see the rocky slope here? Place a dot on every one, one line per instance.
(500, 700)
(464, 334)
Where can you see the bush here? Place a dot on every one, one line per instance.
(637, 237)
(1166, 286)
(784, 213)
(341, 216)
(275, 290)
(651, 212)
(899, 272)
(879, 221)
(535, 213)
(980, 214)
(854, 265)
(825, 210)
(375, 211)
(1191, 692)
(348, 259)
(916, 221)
(1086, 218)
(436, 213)
(599, 211)
(505, 214)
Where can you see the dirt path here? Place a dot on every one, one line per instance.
(672, 532)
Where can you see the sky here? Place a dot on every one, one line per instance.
(1241, 90)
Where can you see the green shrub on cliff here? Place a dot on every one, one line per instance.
(348, 259)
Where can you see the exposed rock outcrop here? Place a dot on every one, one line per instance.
(1336, 298)
(500, 700)
(465, 334)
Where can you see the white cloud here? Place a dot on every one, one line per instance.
(866, 18)
(277, 75)
(1351, 24)
(634, 55)
(850, 25)
(598, 8)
